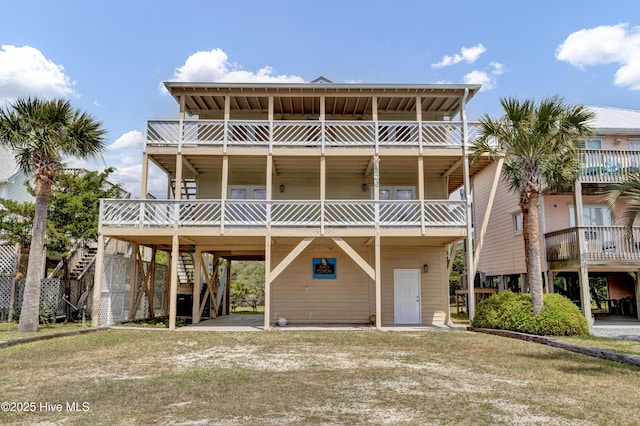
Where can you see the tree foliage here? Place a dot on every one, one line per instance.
(538, 141)
(41, 133)
(629, 189)
(73, 212)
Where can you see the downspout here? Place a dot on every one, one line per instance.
(471, 274)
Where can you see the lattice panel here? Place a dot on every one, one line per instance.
(6, 287)
(51, 292)
(116, 292)
(7, 259)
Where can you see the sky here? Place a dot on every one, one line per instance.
(110, 57)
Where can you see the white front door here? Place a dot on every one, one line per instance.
(406, 296)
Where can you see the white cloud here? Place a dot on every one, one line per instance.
(486, 78)
(25, 71)
(129, 174)
(467, 54)
(605, 44)
(210, 66)
(132, 139)
(480, 77)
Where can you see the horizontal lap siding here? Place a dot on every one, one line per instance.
(433, 296)
(502, 251)
(302, 299)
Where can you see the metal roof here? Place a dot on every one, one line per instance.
(615, 120)
(304, 98)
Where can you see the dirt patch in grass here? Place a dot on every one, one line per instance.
(300, 378)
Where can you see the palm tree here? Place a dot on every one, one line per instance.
(41, 133)
(539, 145)
(629, 188)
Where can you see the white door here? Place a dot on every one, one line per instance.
(406, 296)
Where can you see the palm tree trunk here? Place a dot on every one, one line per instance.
(29, 318)
(524, 207)
(535, 266)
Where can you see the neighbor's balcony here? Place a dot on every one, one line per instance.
(289, 133)
(602, 243)
(281, 214)
(608, 166)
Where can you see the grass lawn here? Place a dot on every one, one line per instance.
(312, 377)
(9, 330)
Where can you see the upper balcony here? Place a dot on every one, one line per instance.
(307, 134)
(603, 246)
(608, 166)
(258, 216)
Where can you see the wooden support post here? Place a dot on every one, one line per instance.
(378, 284)
(151, 276)
(638, 294)
(145, 176)
(97, 283)
(267, 282)
(133, 280)
(173, 292)
(227, 290)
(197, 285)
(583, 271)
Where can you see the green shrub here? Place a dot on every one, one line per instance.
(513, 311)
(45, 314)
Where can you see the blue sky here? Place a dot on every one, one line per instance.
(110, 57)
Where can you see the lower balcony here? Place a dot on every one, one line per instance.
(603, 246)
(299, 214)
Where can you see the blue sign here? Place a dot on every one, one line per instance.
(324, 268)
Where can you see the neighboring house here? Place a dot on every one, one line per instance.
(342, 189)
(12, 179)
(12, 187)
(600, 248)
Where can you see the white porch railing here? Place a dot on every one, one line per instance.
(608, 243)
(608, 166)
(281, 213)
(307, 133)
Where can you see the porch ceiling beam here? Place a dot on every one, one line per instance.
(190, 166)
(453, 168)
(290, 257)
(363, 264)
(367, 172)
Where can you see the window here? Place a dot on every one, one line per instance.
(593, 144)
(592, 215)
(517, 222)
(247, 192)
(634, 144)
(396, 193)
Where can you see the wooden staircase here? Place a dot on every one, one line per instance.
(83, 263)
